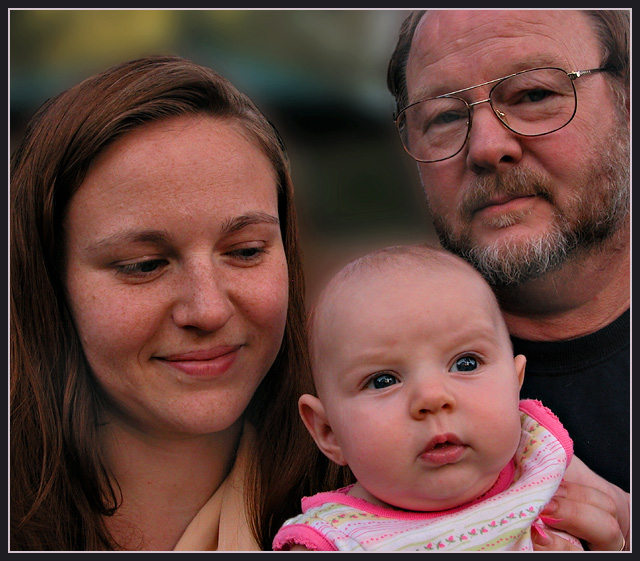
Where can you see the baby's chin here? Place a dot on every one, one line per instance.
(444, 497)
(433, 505)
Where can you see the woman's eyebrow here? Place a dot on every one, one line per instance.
(238, 222)
(163, 237)
(131, 236)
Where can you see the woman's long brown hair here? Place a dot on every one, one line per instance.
(59, 487)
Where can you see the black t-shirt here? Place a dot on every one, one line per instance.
(586, 383)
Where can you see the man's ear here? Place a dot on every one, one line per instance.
(314, 418)
(520, 362)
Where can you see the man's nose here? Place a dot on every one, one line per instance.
(491, 145)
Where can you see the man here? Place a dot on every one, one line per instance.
(525, 166)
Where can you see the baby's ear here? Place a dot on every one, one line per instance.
(314, 418)
(520, 362)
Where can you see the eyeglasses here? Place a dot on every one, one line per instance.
(529, 103)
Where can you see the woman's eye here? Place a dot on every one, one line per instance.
(141, 268)
(464, 364)
(247, 253)
(382, 380)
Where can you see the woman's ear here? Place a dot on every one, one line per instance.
(520, 362)
(314, 418)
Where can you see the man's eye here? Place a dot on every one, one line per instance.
(382, 380)
(448, 118)
(538, 95)
(535, 95)
(464, 364)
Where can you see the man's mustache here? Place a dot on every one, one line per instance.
(517, 182)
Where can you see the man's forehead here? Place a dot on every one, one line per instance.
(454, 49)
(461, 26)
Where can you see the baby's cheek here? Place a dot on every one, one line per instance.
(501, 430)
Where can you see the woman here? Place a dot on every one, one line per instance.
(157, 319)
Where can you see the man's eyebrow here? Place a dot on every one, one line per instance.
(538, 61)
(238, 222)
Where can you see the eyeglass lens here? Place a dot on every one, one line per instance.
(531, 103)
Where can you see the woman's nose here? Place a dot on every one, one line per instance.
(203, 300)
(491, 145)
(431, 397)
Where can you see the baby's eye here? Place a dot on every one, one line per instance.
(381, 380)
(464, 364)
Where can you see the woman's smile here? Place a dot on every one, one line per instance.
(205, 363)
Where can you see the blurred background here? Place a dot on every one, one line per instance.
(319, 75)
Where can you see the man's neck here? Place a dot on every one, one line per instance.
(586, 294)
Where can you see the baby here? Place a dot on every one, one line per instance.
(418, 393)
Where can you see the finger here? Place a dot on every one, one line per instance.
(587, 516)
(599, 529)
(585, 494)
(578, 472)
(550, 541)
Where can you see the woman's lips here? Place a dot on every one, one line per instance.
(204, 363)
(443, 449)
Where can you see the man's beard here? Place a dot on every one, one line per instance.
(591, 218)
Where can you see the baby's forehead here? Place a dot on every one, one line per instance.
(382, 278)
(372, 272)
(366, 282)
(383, 297)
